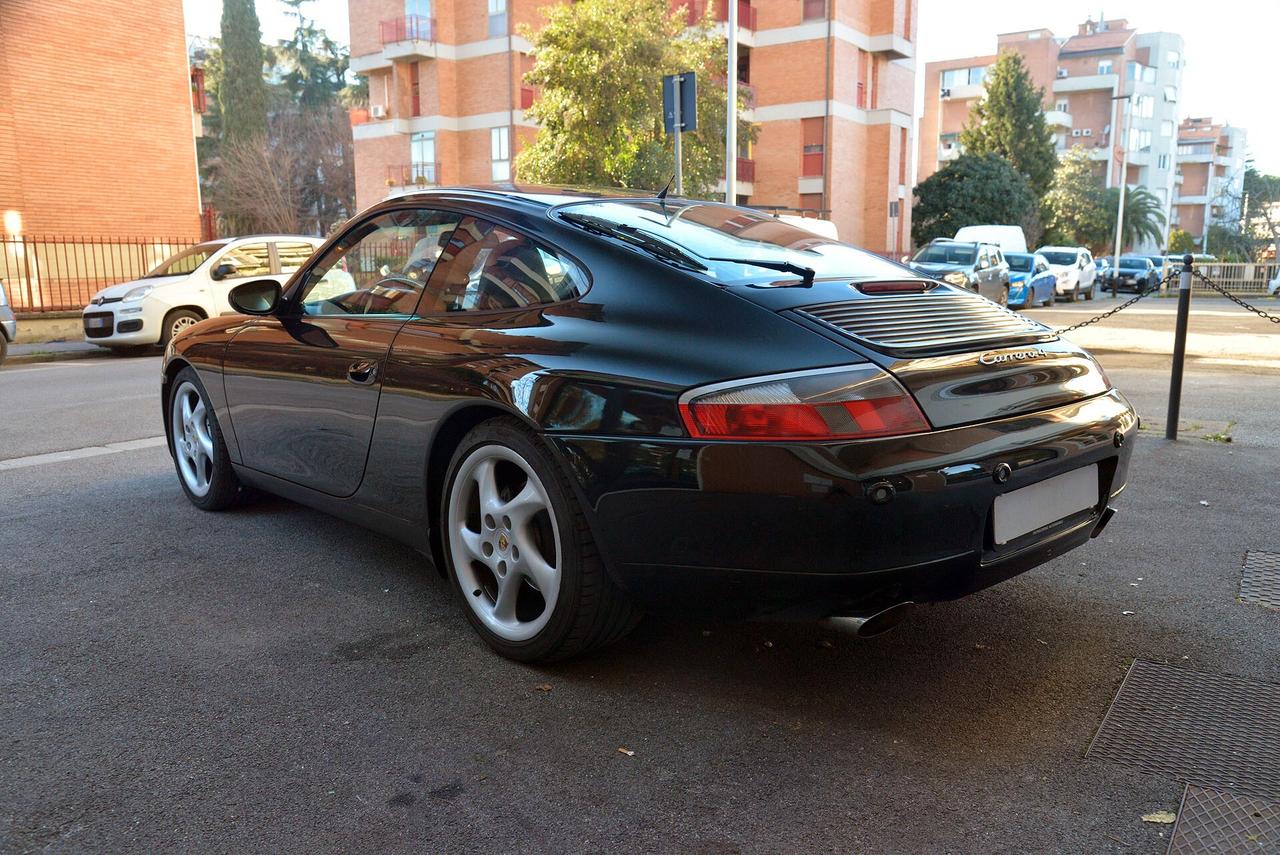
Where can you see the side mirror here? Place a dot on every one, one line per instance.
(259, 297)
(905, 259)
(222, 271)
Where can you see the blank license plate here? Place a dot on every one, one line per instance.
(1030, 508)
(95, 323)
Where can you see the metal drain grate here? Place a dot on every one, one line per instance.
(1207, 729)
(1260, 579)
(1210, 821)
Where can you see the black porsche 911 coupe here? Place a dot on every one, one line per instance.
(584, 405)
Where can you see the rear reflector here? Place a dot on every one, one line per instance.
(830, 403)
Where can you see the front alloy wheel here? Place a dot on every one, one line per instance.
(517, 546)
(199, 452)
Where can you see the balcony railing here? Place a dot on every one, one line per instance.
(746, 169)
(696, 9)
(413, 175)
(408, 28)
(748, 94)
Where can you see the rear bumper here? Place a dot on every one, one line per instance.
(750, 530)
(8, 325)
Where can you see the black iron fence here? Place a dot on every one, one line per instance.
(54, 274)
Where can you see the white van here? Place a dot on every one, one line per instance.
(1008, 238)
(188, 287)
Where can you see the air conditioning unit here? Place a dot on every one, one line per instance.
(1075, 132)
(378, 111)
(1062, 72)
(1088, 132)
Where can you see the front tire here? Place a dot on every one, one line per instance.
(197, 447)
(1093, 289)
(1074, 294)
(517, 547)
(177, 321)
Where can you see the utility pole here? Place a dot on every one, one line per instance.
(1124, 179)
(731, 112)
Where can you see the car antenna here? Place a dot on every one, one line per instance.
(662, 195)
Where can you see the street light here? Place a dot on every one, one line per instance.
(1124, 180)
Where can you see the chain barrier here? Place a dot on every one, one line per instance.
(1170, 277)
(1233, 298)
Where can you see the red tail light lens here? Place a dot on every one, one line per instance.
(833, 403)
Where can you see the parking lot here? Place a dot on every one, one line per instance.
(273, 679)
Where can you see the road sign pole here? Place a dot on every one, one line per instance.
(731, 110)
(1179, 349)
(679, 129)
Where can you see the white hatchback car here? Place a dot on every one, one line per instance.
(1076, 271)
(188, 287)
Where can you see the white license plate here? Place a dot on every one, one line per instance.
(1023, 511)
(96, 323)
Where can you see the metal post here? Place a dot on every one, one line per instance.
(1179, 349)
(1124, 181)
(679, 128)
(731, 112)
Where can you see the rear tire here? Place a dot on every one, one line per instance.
(4, 348)
(197, 447)
(517, 547)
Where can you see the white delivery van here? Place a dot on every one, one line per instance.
(1008, 238)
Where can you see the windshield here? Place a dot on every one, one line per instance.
(1059, 257)
(947, 253)
(186, 261)
(1133, 261)
(1019, 262)
(709, 231)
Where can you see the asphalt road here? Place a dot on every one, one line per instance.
(271, 679)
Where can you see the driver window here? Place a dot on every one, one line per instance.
(379, 267)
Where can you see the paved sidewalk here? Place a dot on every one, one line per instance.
(48, 351)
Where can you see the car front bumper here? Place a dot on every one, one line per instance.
(795, 531)
(109, 325)
(8, 325)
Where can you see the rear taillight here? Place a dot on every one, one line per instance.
(829, 403)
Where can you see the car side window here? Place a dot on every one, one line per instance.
(487, 267)
(984, 260)
(379, 267)
(293, 255)
(249, 260)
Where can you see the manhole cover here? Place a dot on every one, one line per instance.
(1212, 821)
(1260, 579)
(1206, 729)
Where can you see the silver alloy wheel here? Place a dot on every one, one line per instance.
(180, 323)
(192, 438)
(504, 542)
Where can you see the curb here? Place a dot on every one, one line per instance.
(53, 356)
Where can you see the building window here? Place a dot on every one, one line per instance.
(815, 9)
(1105, 67)
(1166, 128)
(497, 18)
(1174, 59)
(500, 153)
(1162, 162)
(893, 210)
(415, 90)
(1062, 106)
(1144, 106)
(813, 137)
(1170, 94)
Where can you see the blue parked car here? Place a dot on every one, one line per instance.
(1031, 282)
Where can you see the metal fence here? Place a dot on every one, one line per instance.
(50, 274)
(1238, 278)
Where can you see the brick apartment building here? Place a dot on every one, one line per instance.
(831, 85)
(1082, 76)
(107, 155)
(1210, 180)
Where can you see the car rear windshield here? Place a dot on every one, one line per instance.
(1060, 257)
(186, 261)
(947, 253)
(1019, 262)
(708, 231)
(1137, 261)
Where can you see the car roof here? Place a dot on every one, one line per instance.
(235, 238)
(1062, 249)
(545, 195)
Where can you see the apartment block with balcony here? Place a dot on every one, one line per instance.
(1097, 82)
(830, 85)
(1211, 160)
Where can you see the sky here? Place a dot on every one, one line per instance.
(1231, 46)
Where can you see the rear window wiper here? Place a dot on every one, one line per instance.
(635, 237)
(805, 273)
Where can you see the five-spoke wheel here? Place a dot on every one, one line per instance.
(199, 453)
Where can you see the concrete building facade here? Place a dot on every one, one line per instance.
(1099, 82)
(1210, 180)
(107, 158)
(831, 86)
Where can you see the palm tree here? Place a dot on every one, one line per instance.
(1143, 216)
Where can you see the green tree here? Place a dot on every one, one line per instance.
(1181, 242)
(1009, 121)
(973, 189)
(242, 91)
(1143, 217)
(1074, 208)
(312, 67)
(599, 67)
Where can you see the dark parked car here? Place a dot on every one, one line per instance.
(582, 406)
(979, 267)
(1136, 273)
(8, 323)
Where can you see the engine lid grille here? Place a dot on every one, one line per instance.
(942, 320)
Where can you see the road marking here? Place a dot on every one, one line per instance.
(80, 453)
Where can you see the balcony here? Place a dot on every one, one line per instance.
(408, 37)
(948, 152)
(696, 9)
(413, 175)
(746, 170)
(1057, 119)
(1087, 83)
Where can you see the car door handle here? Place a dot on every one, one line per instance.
(363, 372)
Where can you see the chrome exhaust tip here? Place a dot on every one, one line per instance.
(869, 626)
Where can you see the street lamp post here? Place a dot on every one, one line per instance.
(1124, 179)
(731, 111)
